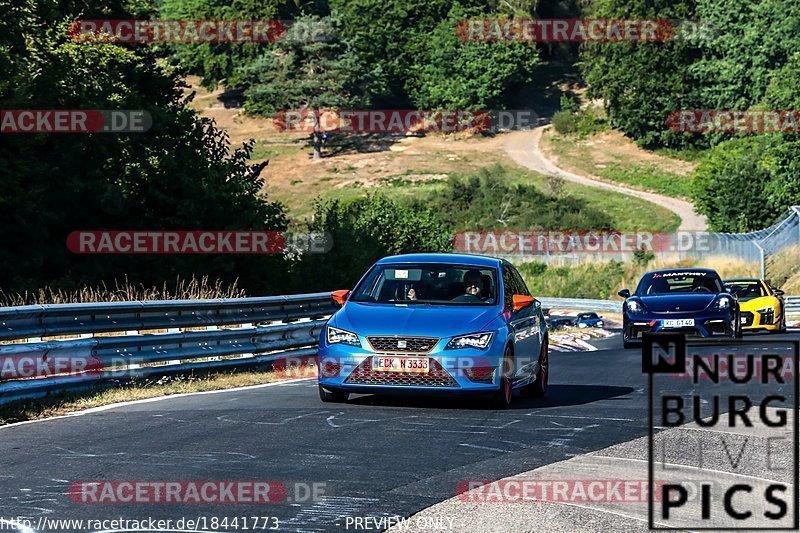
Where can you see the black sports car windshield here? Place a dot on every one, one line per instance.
(746, 290)
(420, 284)
(679, 282)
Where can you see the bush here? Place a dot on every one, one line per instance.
(564, 122)
(492, 199)
(363, 231)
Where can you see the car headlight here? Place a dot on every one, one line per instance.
(633, 306)
(475, 340)
(722, 303)
(340, 336)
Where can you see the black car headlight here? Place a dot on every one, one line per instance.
(340, 336)
(474, 340)
(634, 307)
(723, 303)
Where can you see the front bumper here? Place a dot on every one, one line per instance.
(760, 320)
(464, 371)
(706, 324)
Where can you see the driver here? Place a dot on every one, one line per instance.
(473, 283)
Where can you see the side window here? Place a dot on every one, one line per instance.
(521, 287)
(509, 286)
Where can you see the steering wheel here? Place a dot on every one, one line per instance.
(466, 298)
(701, 289)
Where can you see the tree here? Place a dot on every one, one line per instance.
(304, 72)
(450, 73)
(729, 185)
(182, 174)
(364, 230)
(222, 61)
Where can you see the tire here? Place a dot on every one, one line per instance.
(538, 388)
(737, 329)
(782, 329)
(627, 343)
(502, 398)
(332, 397)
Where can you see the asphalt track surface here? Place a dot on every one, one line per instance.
(378, 456)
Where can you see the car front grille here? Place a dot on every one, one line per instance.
(748, 318)
(767, 318)
(435, 377)
(402, 344)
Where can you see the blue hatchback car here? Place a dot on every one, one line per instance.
(435, 323)
(686, 300)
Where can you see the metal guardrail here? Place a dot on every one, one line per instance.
(269, 329)
(117, 342)
(792, 305)
(580, 304)
(66, 319)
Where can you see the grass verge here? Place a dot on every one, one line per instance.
(602, 281)
(612, 158)
(63, 404)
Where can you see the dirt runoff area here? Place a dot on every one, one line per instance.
(370, 160)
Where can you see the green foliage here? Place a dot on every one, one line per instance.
(590, 121)
(729, 185)
(647, 177)
(584, 122)
(590, 280)
(216, 62)
(569, 103)
(450, 73)
(308, 74)
(390, 36)
(182, 174)
(726, 66)
(564, 122)
(363, 231)
(489, 199)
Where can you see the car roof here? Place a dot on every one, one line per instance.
(688, 269)
(461, 259)
(757, 280)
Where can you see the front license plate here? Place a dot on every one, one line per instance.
(678, 323)
(400, 364)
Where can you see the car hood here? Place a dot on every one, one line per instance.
(677, 303)
(415, 319)
(757, 303)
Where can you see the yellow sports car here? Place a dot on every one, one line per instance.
(761, 305)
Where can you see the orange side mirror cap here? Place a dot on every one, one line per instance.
(521, 301)
(340, 297)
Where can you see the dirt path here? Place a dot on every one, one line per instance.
(523, 148)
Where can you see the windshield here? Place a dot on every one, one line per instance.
(679, 282)
(746, 290)
(428, 284)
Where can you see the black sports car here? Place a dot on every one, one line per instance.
(689, 300)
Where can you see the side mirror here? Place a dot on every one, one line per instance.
(340, 297)
(521, 301)
(625, 293)
(779, 292)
